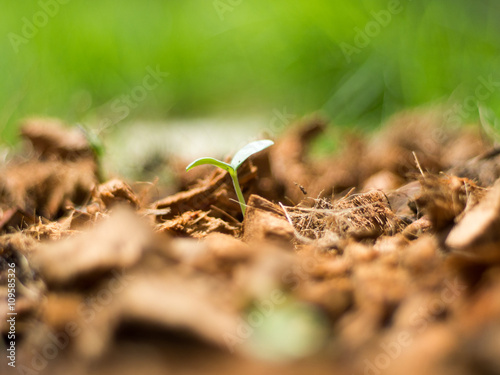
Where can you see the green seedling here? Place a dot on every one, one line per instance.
(238, 159)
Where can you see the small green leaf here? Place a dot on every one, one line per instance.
(211, 161)
(238, 159)
(249, 150)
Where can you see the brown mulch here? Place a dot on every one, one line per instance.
(382, 258)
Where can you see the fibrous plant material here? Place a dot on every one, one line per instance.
(60, 172)
(115, 192)
(366, 215)
(45, 187)
(445, 199)
(114, 242)
(12, 219)
(477, 234)
(196, 224)
(265, 222)
(404, 279)
(484, 168)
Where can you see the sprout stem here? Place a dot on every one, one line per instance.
(237, 160)
(234, 176)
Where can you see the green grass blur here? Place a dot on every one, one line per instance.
(256, 57)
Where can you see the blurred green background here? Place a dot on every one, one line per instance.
(241, 57)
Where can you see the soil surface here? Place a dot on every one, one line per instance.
(382, 258)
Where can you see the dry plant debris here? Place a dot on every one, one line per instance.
(399, 275)
(196, 224)
(446, 199)
(366, 215)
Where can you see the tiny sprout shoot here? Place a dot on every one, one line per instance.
(238, 159)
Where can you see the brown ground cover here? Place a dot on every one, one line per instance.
(383, 258)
